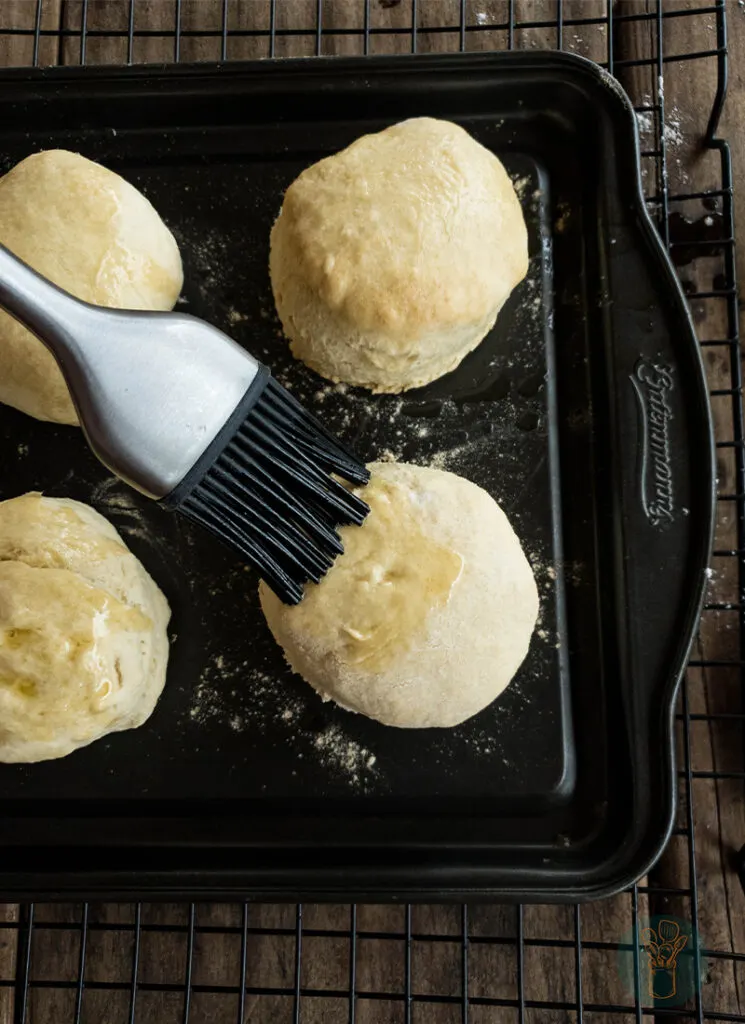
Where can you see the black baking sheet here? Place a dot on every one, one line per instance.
(556, 764)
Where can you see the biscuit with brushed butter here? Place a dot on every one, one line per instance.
(93, 234)
(428, 614)
(83, 642)
(391, 260)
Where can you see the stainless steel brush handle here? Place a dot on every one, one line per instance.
(152, 390)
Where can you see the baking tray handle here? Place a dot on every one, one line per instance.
(661, 433)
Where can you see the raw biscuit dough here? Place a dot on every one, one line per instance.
(93, 234)
(391, 260)
(83, 643)
(428, 614)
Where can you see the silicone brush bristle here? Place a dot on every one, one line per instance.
(271, 494)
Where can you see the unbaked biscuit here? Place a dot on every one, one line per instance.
(93, 234)
(429, 612)
(391, 260)
(83, 643)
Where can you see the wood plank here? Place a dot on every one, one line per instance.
(18, 50)
(716, 806)
(155, 19)
(718, 825)
(8, 960)
(731, 125)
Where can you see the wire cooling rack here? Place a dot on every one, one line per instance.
(373, 965)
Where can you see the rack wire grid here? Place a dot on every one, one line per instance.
(365, 964)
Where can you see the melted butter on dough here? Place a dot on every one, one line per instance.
(380, 592)
(448, 632)
(83, 642)
(30, 540)
(67, 639)
(93, 234)
(390, 260)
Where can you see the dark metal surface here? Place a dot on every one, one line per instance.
(588, 389)
(463, 1006)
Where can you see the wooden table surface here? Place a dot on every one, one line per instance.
(548, 971)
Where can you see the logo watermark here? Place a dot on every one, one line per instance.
(666, 958)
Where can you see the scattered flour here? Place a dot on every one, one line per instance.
(339, 752)
(113, 495)
(118, 503)
(234, 317)
(237, 695)
(673, 136)
(645, 121)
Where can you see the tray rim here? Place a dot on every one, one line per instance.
(320, 67)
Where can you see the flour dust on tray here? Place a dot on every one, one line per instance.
(347, 756)
(235, 694)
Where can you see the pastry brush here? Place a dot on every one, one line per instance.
(187, 417)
